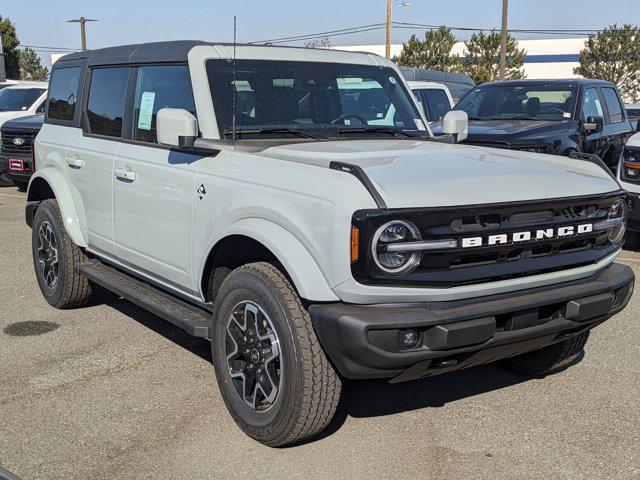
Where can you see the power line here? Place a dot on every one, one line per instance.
(331, 33)
(42, 48)
(415, 26)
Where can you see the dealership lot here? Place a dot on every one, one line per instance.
(110, 391)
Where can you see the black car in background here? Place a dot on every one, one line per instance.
(548, 116)
(16, 160)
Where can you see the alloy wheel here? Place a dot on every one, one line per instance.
(48, 254)
(253, 356)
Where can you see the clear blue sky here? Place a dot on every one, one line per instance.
(42, 22)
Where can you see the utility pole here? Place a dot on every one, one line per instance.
(390, 5)
(387, 51)
(503, 40)
(82, 21)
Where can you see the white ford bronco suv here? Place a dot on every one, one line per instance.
(311, 230)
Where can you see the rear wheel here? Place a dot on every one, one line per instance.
(549, 359)
(275, 379)
(54, 257)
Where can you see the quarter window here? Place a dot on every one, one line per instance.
(105, 107)
(613, 105)
(591, 106)
(159, 87)
(63, 93)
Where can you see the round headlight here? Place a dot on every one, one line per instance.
(618, 210)
(395, 262)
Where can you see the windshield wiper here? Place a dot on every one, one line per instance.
(514, 117)
(392, 131)
(259, 131)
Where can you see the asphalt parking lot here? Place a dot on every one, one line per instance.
(110, 391)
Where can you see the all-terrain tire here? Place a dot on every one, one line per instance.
(549, 359)
(69, 289)
(309, 389)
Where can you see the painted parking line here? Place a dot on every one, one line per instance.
(10, 195)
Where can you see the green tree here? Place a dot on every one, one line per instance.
(10, 44)
(30, 66)
(434, 52)
(482, 62)
(614, 55)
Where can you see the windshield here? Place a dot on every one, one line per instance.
(522, 102)
(311, 100)
(18, 99)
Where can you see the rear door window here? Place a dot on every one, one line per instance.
(63, 93)
(105, 108)
(591, 105)
(613, 105)
(158, 87)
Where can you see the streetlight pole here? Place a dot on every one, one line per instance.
(503, 40)
(82, 21)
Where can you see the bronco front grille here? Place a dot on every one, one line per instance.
(16, 142)
(464, 266)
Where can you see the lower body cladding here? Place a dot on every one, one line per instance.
(409, 341)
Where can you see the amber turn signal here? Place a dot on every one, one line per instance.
(355, 244)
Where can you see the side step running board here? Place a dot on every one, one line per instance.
(182, 314)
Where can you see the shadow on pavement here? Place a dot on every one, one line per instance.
(360, 399)
(197, 346)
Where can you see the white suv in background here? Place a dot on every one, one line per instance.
(434, 99)
(22, 99)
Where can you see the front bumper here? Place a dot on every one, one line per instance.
(364, 341)
(20, 170)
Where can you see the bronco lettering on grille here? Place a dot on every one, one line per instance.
(527, 235)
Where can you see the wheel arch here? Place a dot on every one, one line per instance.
(48, 183)
(256, 239)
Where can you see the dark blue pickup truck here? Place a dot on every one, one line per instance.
(549, 116)
(16, 161)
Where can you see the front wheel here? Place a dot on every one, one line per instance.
(274, 377)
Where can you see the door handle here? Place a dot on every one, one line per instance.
(75, 161)
(124, 174)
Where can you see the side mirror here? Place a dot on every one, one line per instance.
(173, 123)
(456, 123)
(593, 124)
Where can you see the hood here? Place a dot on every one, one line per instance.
(409, 173)
(31, 122)
(515, 131)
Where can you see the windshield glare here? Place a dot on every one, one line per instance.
(18, 99)
(535, 102)
(319, 99)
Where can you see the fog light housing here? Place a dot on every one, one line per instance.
(409, 338)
